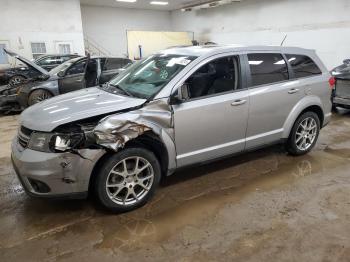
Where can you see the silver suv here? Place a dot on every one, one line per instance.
(179, 107)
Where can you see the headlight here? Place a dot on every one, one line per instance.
(64, 142)
(48, 142)
(40, 141)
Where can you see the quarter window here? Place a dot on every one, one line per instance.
(303, 66)
(217, 76)
(38, 49)
(267, 68)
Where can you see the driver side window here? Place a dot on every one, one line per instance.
(77, 68)
(217, 76)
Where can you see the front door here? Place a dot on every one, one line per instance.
(212, 122)
(74, 78)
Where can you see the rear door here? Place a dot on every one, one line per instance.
(74, 78)
(272, 96)
(110, 68)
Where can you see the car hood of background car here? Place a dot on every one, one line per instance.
(73, 106)
(27, 62)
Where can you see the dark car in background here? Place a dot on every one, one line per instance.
(15, 75)
(75, 74)
(341, 93)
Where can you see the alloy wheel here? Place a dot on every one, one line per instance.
(306, 134)
(129, 180)
(16, 80)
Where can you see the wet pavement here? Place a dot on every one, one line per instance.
(260, 206)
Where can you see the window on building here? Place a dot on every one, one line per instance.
(38, 49)
(267, 68)
(303, 66)
(64, 49)
(3, 55)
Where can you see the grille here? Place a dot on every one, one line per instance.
(24, 136)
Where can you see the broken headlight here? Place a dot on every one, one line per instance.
(40, 141)
(64, 142)
(48, 142)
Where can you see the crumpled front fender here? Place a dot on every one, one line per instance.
(113, 132)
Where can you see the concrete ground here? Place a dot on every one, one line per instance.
(261, 206)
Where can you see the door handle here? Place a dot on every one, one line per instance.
(293, 91)
(79, 80)
(238, 102)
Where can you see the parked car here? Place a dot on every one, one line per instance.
(16, 75)
(73, 74)
(177, 108)
(341, 93)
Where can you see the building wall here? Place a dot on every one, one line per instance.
(106, 26)
(323, 25)
(48, 21)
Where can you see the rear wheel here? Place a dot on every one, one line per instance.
(128, 179)
(16, 80)
(304, 134)
(38, 95)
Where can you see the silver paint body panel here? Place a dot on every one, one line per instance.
(196, 130)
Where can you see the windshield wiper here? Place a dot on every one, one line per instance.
(121, 89)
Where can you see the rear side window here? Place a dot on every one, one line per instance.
(113, 63)
(303, 66)
(267, 68)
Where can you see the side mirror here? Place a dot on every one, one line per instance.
(61, 74)
(180, 96)
(346, 61)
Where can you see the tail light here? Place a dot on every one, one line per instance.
(331, 82)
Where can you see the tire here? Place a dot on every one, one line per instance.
(16, 80)
(38, 95)
(295, 144)
(125, 192)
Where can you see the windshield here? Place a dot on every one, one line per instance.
(64, 66)
(147, 77)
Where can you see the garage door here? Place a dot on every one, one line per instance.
(151, 41)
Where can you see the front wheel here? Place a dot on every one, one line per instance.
(38, 95)
(128, 179)
(304, 134)
(16, 80)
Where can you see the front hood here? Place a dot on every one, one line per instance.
(73, 106)
(27, 62)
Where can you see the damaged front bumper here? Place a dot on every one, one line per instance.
(54, 174)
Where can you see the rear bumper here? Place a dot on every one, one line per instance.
(341, 101)
(54, 175)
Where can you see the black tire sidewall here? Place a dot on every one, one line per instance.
(291, 144)
(99, 186)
